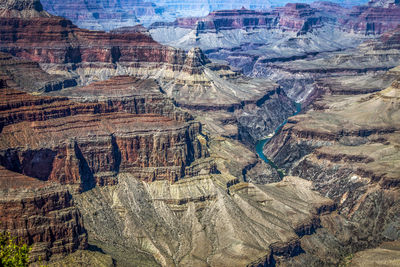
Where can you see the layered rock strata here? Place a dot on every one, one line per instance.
(177, 177)
(370, 60)
(108, 15)
(152, 186)
(127, 94)
(347, 145)
(292, 45)
(68, 156)
(370, 19)
(190, 79)
(27, 75)
(40, 214)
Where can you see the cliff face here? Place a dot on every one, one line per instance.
(41, 214)
(292, 17)
(154, 186)
(123, 128)
(27, 38)
(107, 15)
(372, 20)
(288, 43)
(72, 160)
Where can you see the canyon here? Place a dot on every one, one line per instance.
(108, 15)
(269, 44)
(117, 149)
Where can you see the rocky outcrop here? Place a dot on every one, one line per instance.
(297, 76)
(41, 214)
(293, 17)
(129, 169)
(301, 18)
(389, 40)
(284, 44)
(126, 125)
(189, 78)
(17, 106)
(28, 76)
(153, 185)
(22, 9)
(27, 38)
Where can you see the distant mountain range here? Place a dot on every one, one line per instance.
(110, 14)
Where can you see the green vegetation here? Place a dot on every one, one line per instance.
(13, 253)
(346, 261)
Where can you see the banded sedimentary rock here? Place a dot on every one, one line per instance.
(127, 94)
(370, 19)
(40, 214)
(153, 147)
(28, 76)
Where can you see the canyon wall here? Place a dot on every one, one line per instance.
(40, 214)
(349, 151)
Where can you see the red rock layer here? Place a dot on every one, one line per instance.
(298, 17)
(150, 146)
(56, 40)
(128, 94)
(372, 20)
(40, 214)
(390, 40)
(292, 17)
(40, 138)
(17, 106)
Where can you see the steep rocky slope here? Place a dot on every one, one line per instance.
(148, 169)
(28, 75)
(373, 18)
(42, 150)
(347, 145)
(40, 213)
(297, 77)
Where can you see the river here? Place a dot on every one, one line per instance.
(261, 143)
